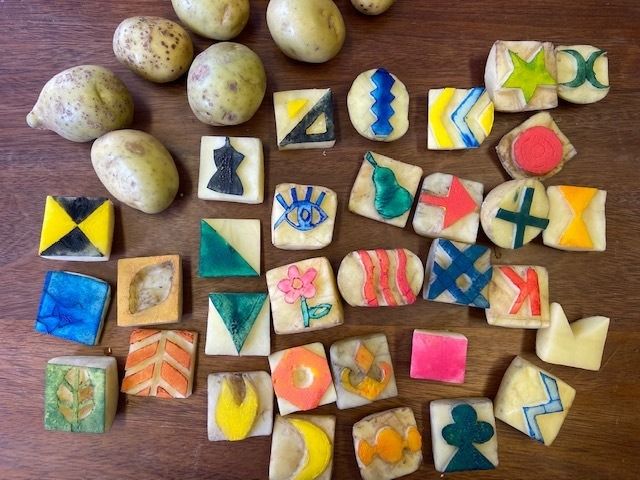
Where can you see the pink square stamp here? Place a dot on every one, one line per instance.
(439, 356)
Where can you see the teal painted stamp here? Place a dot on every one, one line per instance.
(81, 394)
(229, 248)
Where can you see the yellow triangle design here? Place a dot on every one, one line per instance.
(318, 126)
(55, 225)
(577, 234)
(98, 227)
(294, 106)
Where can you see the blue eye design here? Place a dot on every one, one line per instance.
(303, 215)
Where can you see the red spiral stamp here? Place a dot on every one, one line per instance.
(537, 150)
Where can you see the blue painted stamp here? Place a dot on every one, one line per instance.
(381, 107)
(552, 405)
(302, 214)
(73, 307)
(459, 273)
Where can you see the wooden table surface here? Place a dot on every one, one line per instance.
(427, 44)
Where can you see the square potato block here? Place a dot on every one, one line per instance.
(73, 307)
(384, 189)
(448, 207)
(301, 378)
(302, 447)
(231, 169)
(463, 435)
(362, 370)
(303, 216)
(458, 118)
(438, 356)
(458, 273)
(576, 219)
(521, 76)
(304, 296)
(583, 73)
(304, 119)
(390, 433)
(77, 229)
(536, 148)
(533, 401)
(238, 324)
(519, 297)
(240, 405)
(149, 290)
(160, 363)
(81, 394)
(229, 247)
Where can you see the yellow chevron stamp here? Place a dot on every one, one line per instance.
(458, 118)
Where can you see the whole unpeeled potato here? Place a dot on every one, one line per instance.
(310, 30)
(136, 169)
(155, 48)
(226, 84)
(372, 7)
(82, 103)
(217, 19)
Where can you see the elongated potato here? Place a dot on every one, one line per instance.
(226, 84)
(82, 103)
(310, 30)
(136, 169)
(155, 48)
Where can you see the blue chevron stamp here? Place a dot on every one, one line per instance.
(459, 117)
(381, 107)
(460, 273)
(553, 405)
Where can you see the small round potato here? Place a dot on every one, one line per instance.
(310, 31)
(82, 103)
(226, 84)
(372, 7)
(216, 19)
(155, 48)
(136, 169)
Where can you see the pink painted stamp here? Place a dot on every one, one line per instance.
(439, 356)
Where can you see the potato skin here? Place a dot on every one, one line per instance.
(372, 7)
(310, 31)
(226, 84)
(136, 169)
(155, 48)
(216, 19)
(82, 103)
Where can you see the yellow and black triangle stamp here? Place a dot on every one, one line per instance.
(77, 228)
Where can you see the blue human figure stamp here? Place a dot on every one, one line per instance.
(73, 307)
(303, 216)
(227, 160)
(458, 273)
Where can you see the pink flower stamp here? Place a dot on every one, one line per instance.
(299, 286)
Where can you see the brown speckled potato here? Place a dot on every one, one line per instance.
(155, 48)
(372, 7)
(136, 169)
(82, 103)
(217, 19)
(310, 30)
(226, 84)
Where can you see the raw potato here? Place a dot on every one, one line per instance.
(226, 84)
(82, 103)
(372, 7)
(136, 169)
(217, 19)
(310, 31)
(155, 48)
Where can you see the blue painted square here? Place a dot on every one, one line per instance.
(458, 273)
(73, 306)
